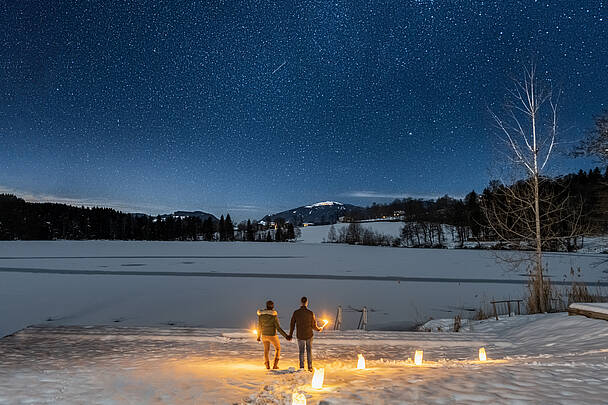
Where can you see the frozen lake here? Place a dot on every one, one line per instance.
(221, 284)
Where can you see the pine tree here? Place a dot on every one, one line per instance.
(291, 234)
(474, 213)
(221, 229)
(228, 229)
(250, 235)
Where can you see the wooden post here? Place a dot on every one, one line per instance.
(509, 307)
(363, 319)
(338, 322)
(518, 311)
(494, 306)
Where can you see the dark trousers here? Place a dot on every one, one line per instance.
(305, 344)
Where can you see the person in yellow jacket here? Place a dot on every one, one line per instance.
(268, 324)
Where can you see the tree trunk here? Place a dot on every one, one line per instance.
(539, 242)
(539, 248)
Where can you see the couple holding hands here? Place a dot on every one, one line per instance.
(303, 320)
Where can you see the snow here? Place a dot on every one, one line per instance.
(391, 226)
(323, 203)
(591, 306)
(435, 283)
(443, 325)
(595, 244)
(318, 233)
(549, 358)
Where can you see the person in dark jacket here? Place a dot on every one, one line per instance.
(268, 324)
(303, 319)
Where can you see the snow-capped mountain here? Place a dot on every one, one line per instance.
(324, 204)
(325, 212)
(199, 214)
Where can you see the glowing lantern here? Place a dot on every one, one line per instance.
(325, 322)
(317, 378)
(360, 362)
(482, 354)
(298, 399)
(418, 358)
(254, 331)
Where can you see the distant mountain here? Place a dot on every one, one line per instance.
(326, 212)
(198, 214)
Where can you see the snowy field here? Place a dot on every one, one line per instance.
(220, 285)
(540, 359)
(318, 234)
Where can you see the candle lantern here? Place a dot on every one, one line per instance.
(317, 378)
(418, 358)
(360, 362)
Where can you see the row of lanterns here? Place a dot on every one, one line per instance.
(418, 355)
(299, 398)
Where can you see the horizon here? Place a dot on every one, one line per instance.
(383, 199)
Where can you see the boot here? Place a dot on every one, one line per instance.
(276, 364)
(267, 365)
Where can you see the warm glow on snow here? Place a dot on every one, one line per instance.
(360, 362)
(418, 358)
(298, 399)
(317, 378)
(482, 354)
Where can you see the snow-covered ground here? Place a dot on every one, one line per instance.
(540, 359)
(599, 307)
(391, 227)
(221, 284)
(318, 233)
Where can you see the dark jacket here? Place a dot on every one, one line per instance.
(304, 320)
(268, 323)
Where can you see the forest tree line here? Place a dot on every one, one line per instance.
(22, 220)
(426, 222)
(583, 210)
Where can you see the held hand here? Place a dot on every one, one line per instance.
(259, 339)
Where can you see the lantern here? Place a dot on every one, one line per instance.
(254, 331)
(482, 354)
(298, 399)
(325, 322)
(418, 358)
(360, 362)
(317, 378)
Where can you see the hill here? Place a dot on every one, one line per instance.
(321, 213)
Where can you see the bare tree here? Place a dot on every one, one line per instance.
(529, 212)
(596, 142)
(332, 236)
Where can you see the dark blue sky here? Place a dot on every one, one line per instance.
(260, 106)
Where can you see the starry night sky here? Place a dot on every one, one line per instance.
(259, 106)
